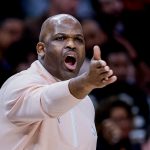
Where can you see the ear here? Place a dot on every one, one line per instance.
(40, 47)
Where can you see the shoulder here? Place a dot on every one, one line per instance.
(21, 82)
(22, 78)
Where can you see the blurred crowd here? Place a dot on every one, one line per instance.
(122, 30)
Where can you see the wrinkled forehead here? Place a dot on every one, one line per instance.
(65, 24)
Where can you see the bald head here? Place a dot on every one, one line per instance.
(50, 23)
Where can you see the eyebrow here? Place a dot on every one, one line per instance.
(63, 34)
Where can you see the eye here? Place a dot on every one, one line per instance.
(79, 40)
(60, 38)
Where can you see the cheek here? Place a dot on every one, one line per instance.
(125, 126)
(55, 49)
(53, 56)
(82, 53)
(56, 45)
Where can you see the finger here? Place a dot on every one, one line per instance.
(99, 63)
(105, 75)
(96, 53)
(109, 80)
(104, 72)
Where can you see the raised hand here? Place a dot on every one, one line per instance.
(99, 74)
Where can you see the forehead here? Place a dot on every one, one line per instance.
(67, 26)
(118, 111)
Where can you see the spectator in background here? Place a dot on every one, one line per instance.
(109, 14)
(137, 31)
(114, 122)
(129, 28)
(11, 31)
(117, 57)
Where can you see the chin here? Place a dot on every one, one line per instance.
(69, 75)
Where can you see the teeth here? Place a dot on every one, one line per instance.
(71, 55)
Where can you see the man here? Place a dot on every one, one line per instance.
(46, 107)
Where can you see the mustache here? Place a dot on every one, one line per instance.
(70, 48)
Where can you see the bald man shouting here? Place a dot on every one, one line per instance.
(47, 107)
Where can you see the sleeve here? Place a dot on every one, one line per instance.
(35, 102)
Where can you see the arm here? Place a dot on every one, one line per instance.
(33, 102)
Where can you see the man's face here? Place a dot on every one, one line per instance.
(120, 116)
(65, 49)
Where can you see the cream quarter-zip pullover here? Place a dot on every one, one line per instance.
(38, 112)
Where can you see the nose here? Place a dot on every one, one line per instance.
(70, 44)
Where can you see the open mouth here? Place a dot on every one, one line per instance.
(70, 62)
